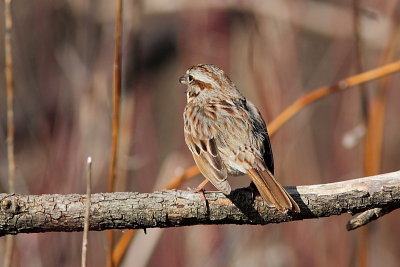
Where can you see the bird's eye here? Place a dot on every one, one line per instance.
(190, 78)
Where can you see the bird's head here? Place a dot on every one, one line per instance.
(206, 80)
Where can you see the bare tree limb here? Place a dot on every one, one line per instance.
(171, 208)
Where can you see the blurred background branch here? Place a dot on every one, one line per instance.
(117, 70)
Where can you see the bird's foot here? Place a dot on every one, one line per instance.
(200, 189)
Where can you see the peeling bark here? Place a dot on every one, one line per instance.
(171, 208)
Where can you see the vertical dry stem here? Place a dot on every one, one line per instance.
(10, 118)
(87, 211)
(116, 115)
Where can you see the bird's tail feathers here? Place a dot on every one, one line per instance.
(271, 191)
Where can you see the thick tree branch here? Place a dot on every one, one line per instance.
(56, 213)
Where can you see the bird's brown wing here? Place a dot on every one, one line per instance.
(271, 191)
(206, 156)
(260, 127)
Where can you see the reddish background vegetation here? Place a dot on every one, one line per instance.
(275, 51)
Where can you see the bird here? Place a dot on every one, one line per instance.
(227, 135)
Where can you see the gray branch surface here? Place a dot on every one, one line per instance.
(172, 208)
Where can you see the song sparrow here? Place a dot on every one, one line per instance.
(227, 135)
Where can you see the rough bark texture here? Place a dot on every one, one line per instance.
(56, 213)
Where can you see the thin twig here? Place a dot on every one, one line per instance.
(358, 55)
(10, 118)
(116, 97)
(116, 115)
(10, 97)
(87, 211)
(368, 216)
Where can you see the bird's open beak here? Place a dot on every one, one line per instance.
(183, 79)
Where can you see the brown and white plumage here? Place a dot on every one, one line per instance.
(227, 135)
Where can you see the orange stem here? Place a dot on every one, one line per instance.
(116, 115)
(321, 92)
